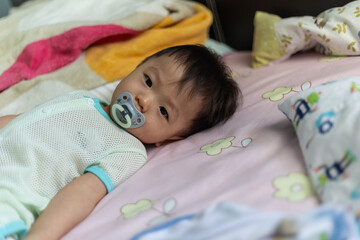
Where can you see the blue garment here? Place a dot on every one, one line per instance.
(228, 221)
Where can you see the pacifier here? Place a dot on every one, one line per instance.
(125, 113)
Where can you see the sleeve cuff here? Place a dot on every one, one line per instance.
(102, 175)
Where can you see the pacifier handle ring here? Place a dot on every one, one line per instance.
(125, 113)
(127, 117)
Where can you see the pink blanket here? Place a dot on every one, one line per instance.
(50, 54)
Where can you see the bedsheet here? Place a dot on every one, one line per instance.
(254, 159)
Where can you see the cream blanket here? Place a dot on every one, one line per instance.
(51, 47)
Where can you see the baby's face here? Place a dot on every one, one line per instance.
(154, 87)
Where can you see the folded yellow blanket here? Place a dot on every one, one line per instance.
(114, 61)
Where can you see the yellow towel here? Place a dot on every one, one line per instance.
(116, 60)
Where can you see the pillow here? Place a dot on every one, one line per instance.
(333, 32)
(327, 119)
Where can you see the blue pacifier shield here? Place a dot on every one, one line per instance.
(125, 113)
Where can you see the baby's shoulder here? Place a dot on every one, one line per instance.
(79, 94)
(73, 95)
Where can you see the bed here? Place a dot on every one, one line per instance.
(255, 159)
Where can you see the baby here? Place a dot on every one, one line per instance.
(58, 160)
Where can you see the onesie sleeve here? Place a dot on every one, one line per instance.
(115, 168)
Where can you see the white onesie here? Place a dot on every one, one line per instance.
(46, 148)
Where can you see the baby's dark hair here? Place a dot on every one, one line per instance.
(208, 77)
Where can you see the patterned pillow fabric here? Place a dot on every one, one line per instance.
(333, 32)
(326, 119)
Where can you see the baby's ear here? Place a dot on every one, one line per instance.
(167, 141)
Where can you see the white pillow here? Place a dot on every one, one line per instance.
(327, 123)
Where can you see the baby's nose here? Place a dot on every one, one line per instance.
(144, 102)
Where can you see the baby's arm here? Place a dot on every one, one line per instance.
(6, 119)
(68, 208)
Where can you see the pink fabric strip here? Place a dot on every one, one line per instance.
(47, 55)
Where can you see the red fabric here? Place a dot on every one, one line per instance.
(47, 55)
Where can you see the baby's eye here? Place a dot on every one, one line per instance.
(164, 112)
(148, 81)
